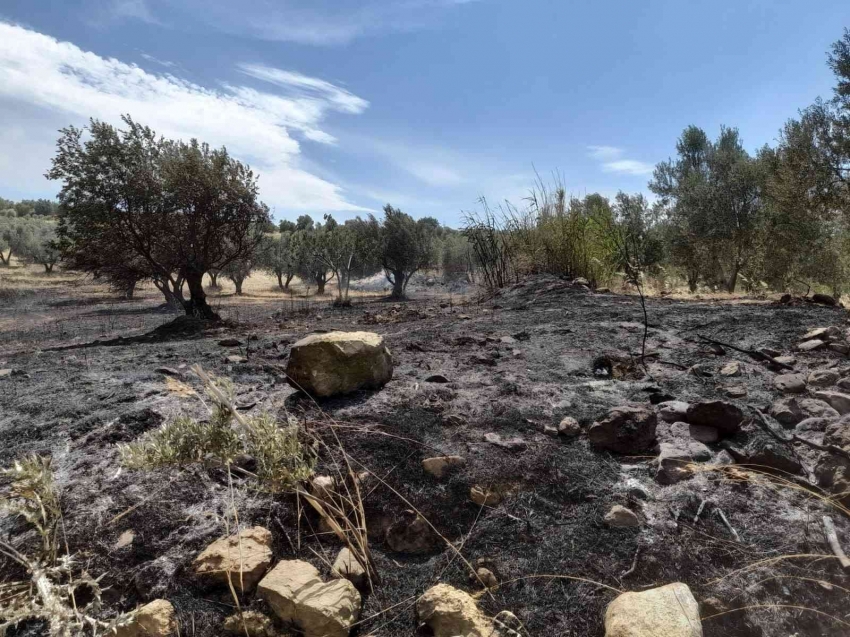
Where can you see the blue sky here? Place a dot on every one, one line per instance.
(344, 105)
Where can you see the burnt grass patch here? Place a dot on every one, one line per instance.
(513, 363)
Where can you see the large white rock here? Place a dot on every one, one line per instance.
(450, 612)
(325, 365)
(668, 611)
(243, 559)
(296, 593)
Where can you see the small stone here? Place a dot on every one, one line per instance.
(511, 444)
(569, 426)
(814, 408)
(786, 360)
(486, 577)
(724, 416)
(621, 517)
(550, 430)
(668, 611)
(5, 373)
(724, 458)
(449, 612)
(346, 566)
(736, 391)
(436, 378)
(235, 359)
(439, 466)
(673, 410)
(702, 433)
(255, 623)
(296, 593)
(823, 378)
(838, 401)
(241, 559)
(790, 383)
(155, 619)
(508, 340)
(818, 332)
(841, 348)
(626, 430)
(731, 369)
(323, 487)
(484, 497)
(674, 460)
(230, 342)
(786, 412)
(124, 540)
(810, 346)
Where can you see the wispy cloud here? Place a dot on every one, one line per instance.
(132, 9)
(612, 160)
(155, 60)
(320, 22)
(68, 85)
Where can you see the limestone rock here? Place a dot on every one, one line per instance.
(450, 612)
(786, 360)
(569, 427)
(790, 383)
(346, 566)
(823, 378)
(155, 619)
(441, 465)
(812, 345)
(731, 369)
(673, 410)
(673, 460)
(325, 365)
(296, 593)
(627, 430)
(411, 533)
(838, 401)
(621, 517)
(323, 487)
(724, 416)
(255, 623)
(668, 611)
(515, 444)
(487, 577)
(484, 497)
(818, 332)
(243, 558)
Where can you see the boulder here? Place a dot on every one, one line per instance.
(765, 452)
(335, 363)
(814, 408)
(668, 611)
(450, 612)
(569, 426)
(621, 517)
(155, 619)
(823, 378)
(441, 465)
(786, 412)
(790, 383)
(627, 430)
(674, 460)
(838, 401)
(347, 567)
(242, 559)
(673, 410)
(296, 593)
(724, 416)
(411, 533)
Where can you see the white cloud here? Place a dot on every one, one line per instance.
(155, 60)
(135, 9)
(612, 161)
(68, 85)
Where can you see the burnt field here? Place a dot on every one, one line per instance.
(751, 546)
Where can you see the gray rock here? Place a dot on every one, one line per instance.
(674, 458)
(569, 426)
(668, 611)
(673, 410)
(724, 416)
(790, 383)
(812, 345)
(814, 408)
(347, 567)
(621, 517)
(838, 401)
(787, 412)
(823, 378)
(411, 533)
(627, 430)
(510, 444)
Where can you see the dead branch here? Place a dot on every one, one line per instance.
(832, 538)
(726, 522)
(759, 356)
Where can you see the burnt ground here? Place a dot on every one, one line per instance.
(76, 399)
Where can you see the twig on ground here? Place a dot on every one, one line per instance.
(834, 544)
(632, 568)
(726, 523)
(759, 356)
(699, 511)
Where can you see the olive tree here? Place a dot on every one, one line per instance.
(406, 246)
(180, 208)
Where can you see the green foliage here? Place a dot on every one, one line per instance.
(283, 460)
(31, 493)
(405, 247)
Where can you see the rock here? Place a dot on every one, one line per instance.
(810, 346)
(439, 466)
(674, 460)
(155, 619)
(484, 497)
(731, 369)
(603, 290)
(323, 487)
(700, 433)
(436, 378)
(668, 611)
(487, 577)
(569, 427)
(838, 401)
(723, 459)
(736, 391)
(763, 451)
(5, 373)
(411, 533)
(295, 592)
(167, 371)
(723, 416)
(627, 430)
(508, 340)
(818, 332)
(253, 622)
(235, 359)
(335, 363)
(580, 281)
(673, 410)
(450, 612)
(790, 383)
(786, 360)
(823, 378)
(243, 559)
(812, 424)
(769, 351)
(824, 299)
(621, 517)
(844, 383)
(347, 567)
(833, 474)
(786, 412)
(124, 540)
(841, 348)
(814, 408)
(511, 444)
(838, 434)
(550, 429)
(230, 342)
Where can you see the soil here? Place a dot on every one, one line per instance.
(515, 363)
